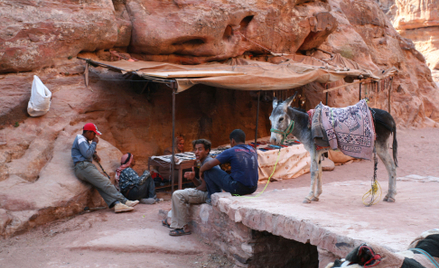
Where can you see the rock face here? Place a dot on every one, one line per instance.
(221, 30)
(379, 44)
(36, 34)
(43, 38)
(419, 22)
(36, 193)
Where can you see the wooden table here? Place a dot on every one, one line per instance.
(186, 164)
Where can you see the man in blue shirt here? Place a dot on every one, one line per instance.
(243, 160)
(82, 154)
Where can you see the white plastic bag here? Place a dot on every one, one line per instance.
(40, 96)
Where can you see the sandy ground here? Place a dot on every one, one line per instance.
(137, 239)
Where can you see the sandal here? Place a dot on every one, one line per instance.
(165, 223)
(179, 232)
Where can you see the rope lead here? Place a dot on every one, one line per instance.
(375, 186)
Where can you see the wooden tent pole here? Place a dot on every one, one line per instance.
(376, 93)
(145, 87)
(327, 93)
(174, 92)
(390, 90)
(257, 121)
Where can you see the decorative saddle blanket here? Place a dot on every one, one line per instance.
(350, 129)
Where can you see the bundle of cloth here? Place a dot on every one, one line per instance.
(423, 252)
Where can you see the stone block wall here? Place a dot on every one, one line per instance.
(247, 247)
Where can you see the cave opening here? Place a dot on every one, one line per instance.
(276, 251)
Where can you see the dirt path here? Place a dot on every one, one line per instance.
(137, 239)
(105, 239)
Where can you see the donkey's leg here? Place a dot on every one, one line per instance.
(314, 174)
(385, 156)
(318, 191)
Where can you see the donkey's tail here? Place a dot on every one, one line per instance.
(386, 120)
(395, 146)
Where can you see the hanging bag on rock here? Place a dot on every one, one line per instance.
(40, 97)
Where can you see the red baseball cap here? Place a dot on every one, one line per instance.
(92, 127)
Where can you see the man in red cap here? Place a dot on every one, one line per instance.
(82, 153)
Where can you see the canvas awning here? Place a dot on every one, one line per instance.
(244, 74)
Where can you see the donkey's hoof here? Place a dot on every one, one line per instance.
(389, 199)
(315, 199)
(306, 201)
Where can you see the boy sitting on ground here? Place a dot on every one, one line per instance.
(133, 186)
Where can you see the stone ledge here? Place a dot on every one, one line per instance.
(247, 247)
(331, 228)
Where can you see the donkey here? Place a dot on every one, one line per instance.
(285, 120)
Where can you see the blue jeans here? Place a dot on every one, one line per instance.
(217, 180)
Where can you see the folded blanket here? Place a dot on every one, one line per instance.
(180, 157)
(349, 129)
(317, 130)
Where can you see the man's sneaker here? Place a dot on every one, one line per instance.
(131, 203)
(119, 207)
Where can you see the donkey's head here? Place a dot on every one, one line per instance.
(281, 123)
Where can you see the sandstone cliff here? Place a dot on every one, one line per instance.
(419, 22)
(44, 38)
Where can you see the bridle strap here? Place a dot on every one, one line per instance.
(284, 133)
(375, 258)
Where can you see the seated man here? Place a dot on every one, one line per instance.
(243, 160)
(177, 217)
(179, 146)
(133, 186)
(82, 153)
(165, 171)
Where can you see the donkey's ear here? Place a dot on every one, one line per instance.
(275, 101)
(290, 100)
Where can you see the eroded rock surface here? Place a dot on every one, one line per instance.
(55, 192)
(419, 22)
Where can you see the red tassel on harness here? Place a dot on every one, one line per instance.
(368, 257)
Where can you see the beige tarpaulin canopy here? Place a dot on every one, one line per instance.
(243, 74)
